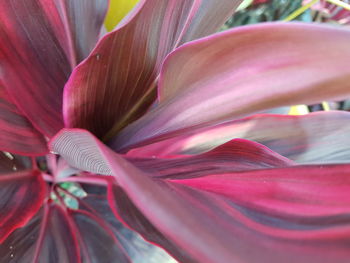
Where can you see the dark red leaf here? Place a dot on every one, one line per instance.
(34, 55)
(236, 155)
(41, 41)
(116, 84)
(10, 163)
(48, 237)
(319, 137)
(97, 240)
(293, 214)
(20, 245)
(57, 241)
(17, 134)
(138, 249)
(21, 195)
(128, 213)
(247, 74)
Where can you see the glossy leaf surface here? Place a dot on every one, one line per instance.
(233, 156)
(41, 41)
(57, 241)
(116, 84)
(267, 215)
(134, 218)
(314, 138)
(252, 68)
(97, 241)
(17, 134)
(48, 237)
(83, 20)
(35, 63)
(21, 195)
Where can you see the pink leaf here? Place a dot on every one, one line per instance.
(287, 214)
(242, 71)
(116, 84)
(295, 218)
(233, 156)
(312, 138)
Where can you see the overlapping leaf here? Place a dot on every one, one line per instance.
(40, 43)
(17, 134)
(138, 249)
(117, 10)
(242, 71)
(233, 156)
(47, 237)
(267, 215)
(314, 138)
(57, 234)
(116, 84)
(84, 20)
(97, 241)
(136, 220)
(21, 195)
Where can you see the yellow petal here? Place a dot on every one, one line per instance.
(117, 10)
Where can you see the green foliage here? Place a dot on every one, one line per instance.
(272, 11)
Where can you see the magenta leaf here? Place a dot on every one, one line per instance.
(84, 20)
(136, 247)
(34, 79)
(57, 241)
(225, 226)
(89, 234)
(20, 245)
(21, 195)
(48, 237)
(233, 156)
(303, 190)
(116, 84)
(41, 41)
(252, 69)
(17, 134)
(83, 151)
(292, 214)
(133, 217)
(318, 137)
(97, 240)
(259, 216)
